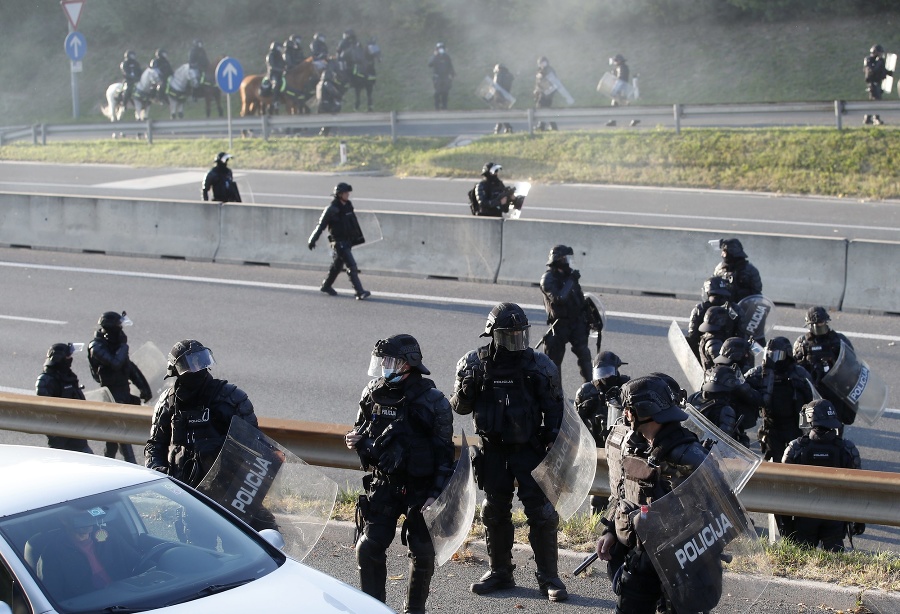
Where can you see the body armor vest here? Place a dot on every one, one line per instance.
(507, 407)
(821, 453)
(392, 429)
(195, 422)
(783, 411)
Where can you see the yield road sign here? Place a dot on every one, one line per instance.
(72, 9)
(229, 75)
(76, 46)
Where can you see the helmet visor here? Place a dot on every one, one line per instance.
(386, 366)
(777, 355)
(512, 340)
(193, 362)
(604, 371)
(819, 329)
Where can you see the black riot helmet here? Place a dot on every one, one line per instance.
(223, 157)
(817, 320)
(543, 61)
(130, 55)
(490, 169)
(188, 356)
(720, 379)
(507, 325)
(559, 255)
(606, 365)
(733, 351)
(498, 68)
(275, 46)
(197, 43)
(161, 53)
(651, 398)
(60, 353)
(716, 290)
(154, 63)
(342, 187)
(676, 389)
(295, 40)
(715, 319)
(821, 414)
(113, 320)
(349, 34)
(779, 352)
(732, 248)
(390, 356)
(876, 49)
(618, 58)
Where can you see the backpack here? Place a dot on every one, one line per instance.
(473, 202)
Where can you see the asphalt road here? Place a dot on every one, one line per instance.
(660, 207)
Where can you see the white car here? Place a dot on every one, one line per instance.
(87, 534)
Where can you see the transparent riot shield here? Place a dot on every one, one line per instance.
(559, 87)
(606, 84)
(851, 379)
(804, 424)
(696, 536)
(152, 363)
(567, 472)
(689, 364)
(101, 395)
(449, 518)
(759, 316)
(890, 63)
(596, 315)
(263, 483)
(370, 227)
(495, 96)
(738, 461)
(514, 209)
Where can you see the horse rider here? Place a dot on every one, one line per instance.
(131, 72)
(275, 67)
(198, 60)
(293, 51)
(162, 64)
(317, 47)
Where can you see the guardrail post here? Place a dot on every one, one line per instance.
(531, 122)
(393, 126)
(676, 111)
(265, 127)
(838, 109)
(149, 131)
(43, 134)
(34, 139)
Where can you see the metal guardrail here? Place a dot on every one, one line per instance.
(265, 126)
(840, 494)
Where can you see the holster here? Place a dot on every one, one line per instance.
(476, 454)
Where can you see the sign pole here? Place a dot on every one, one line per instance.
(74, 75)
(228, 104)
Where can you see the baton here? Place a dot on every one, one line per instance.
(587, 562)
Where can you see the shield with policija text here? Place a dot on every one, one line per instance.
(862, 390)
(449, 518)
(567, 472)
(758, 316)
(699, 538)
(267, 486)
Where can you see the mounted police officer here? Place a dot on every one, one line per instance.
(566, 314)
(198, 61)
(817, 351)
(221, 181)
(275, 68)
(131, 73)
(293, 51)
(785, 389)
(716, 293)
(737, 270)
(317, 47)
(592, 403)
(404, 437)
(163, 66)
(658, 457)
(343, 233)
(875, 71)
(112, 368)
(823, 447)
(515, 398)
(58, 380)
(442, 75)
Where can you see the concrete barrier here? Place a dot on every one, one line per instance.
(640, 259)
(113, 225)
(871, 277)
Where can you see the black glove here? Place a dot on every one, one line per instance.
(312, 245)
(470, 385)
(576, 274)
(857, 528)
(391, 459)
(146, 395)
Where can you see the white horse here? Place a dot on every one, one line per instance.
(144, 90)
(180, 85)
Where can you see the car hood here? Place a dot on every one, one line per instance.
(286, 588)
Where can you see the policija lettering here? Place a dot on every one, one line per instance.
(707, 536)
(252, 481)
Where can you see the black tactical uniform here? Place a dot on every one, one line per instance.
(785, 389)
(347, 48)
(875, 72)
(716, 293)
(817, 351)
(131, 73)
(198, 60)
(221, 181)
(737, 270)
(623, 76)
(544, 90)
(516, 401)
(275, 67)
(825, 448)
(715, 329)
(404, 436)
(728, 401)
(490, 197)
(343, 233)
(504, 79)
(591, 403)
(163, 66)
(293, 51)
(317, 47)
(112, 368)
(442, 75)
(58, 380)
(659, 455)
(736, 353)
(566, 314)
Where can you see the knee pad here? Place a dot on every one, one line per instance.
(369, 550)
(495, 513)
(544, 516)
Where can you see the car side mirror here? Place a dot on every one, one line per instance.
(272, 536)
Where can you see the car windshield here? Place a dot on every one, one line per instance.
(137, 548)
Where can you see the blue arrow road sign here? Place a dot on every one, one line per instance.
(229, 75)
(76, 46)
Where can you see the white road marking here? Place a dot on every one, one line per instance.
(155, 181)
(17, 390)
(34, 320)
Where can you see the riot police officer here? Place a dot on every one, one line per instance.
(198, 60)
(566, 313)
(317, 47)
(737, 270)
(544, 90)
(623, 77)
(490, 197)
(404, 437)
(715, 330)
(716, 293)
(713, 400)
(785, 387)
(221, 181)
(661, 455)
(825, 448)
(875, 71)
(293, 51)
(163, 66)
(817, 351)
(191, 419)
(112, 368)
(592, 399)
(343, 233)
(442, 75)
(131, 73)
(275, 67)
(58, 380)
(514, 395)
(736, 353)
(502, 78)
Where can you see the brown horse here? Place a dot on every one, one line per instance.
(296, 93)
(210, 91)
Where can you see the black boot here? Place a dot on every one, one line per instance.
(499, 542)
(372, 565)
(361, 293)
(420, 572)
(546, 555)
